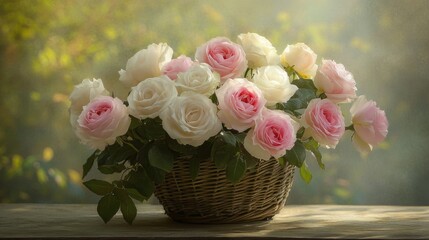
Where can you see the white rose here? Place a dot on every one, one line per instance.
(150, 97)
(146, 63)
(82, 94)
(198, 78)
(301, 58)
(259, 51)
(274, 84)
(191, 119)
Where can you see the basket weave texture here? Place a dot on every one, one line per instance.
(211, 198)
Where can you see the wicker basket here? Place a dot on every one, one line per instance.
(210, 198)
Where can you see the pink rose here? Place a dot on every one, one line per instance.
(175, 66)
(273, 134)
(324, 122)
(225, 57)
(101, 121)
(335, 81)
(370, 124)
(240, 103)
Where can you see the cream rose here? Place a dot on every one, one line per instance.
(82, 94)
(259, 51)
(274, 84)
(301, 58)
(146, 63)
(191, 119)
(150, 97)
(102, 121)
(198, 78)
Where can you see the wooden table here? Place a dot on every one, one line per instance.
(68, 221)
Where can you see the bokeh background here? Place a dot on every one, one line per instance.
(47, 47)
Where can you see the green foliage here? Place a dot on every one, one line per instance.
(305, 173)
(99, 187)
(297, 154)
(305, 93)
(161, 157)
(108, 206)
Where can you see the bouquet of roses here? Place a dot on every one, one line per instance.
(235, 103)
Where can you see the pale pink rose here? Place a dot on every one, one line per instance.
(225, 57)
(274, 133)
(370, 124)
(175, 66)
(240, 103)
(82, 94)
(302, 58)
(146, 63)
(324, 122)
(335, 81)
(102, 121)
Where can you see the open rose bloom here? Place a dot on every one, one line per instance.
(235, 103)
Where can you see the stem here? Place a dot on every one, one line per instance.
(351, 128)
(129, 144)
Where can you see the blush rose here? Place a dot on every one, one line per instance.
(240, 103)
(224, 57)
(370, 124)
(324, 122)
(82, 94)
(274, 133)
(175, 66)
(335, 81)
(103, 120)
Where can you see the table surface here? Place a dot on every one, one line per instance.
(69, 221)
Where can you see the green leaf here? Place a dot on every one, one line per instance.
(305, 173)
(135, 122)
(221, 153)
(108, 206)
(112, 159)
(128, 208)
(313, 146)
(135, 194)
(99, 187)
(89, 163)
(228, 137)
(194, 167)
(282, 161)
(140, 181)
(251, 161)
(305, 83)
(151, 129)
(109, 169)
(180, 148)
(161, 157)
(297, 154)
(236, 168)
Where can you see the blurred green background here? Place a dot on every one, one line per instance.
(47, 47)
